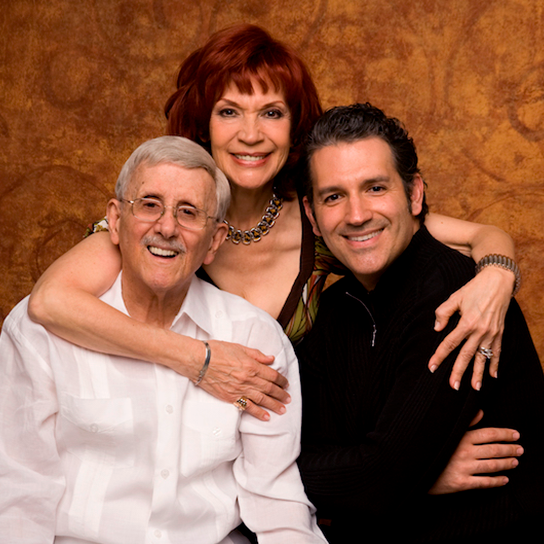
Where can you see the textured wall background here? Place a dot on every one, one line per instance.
(83, 82)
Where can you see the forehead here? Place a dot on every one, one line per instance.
(367, 159)
(252, 88)
(172, 182)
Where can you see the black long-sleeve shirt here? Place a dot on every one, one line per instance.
(378, 427)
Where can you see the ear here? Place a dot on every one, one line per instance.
(416, 198)
(218, 238)
(204, 136)
(310, 215)
(113, 213)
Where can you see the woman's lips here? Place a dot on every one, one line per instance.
(243, 157)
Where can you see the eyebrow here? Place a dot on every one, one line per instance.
(339, 188)
(327, 190)
(180, 203)
(275, 103)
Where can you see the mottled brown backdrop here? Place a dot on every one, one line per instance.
(83, 82)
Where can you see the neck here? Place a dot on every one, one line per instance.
(247, 206)
(158, 308)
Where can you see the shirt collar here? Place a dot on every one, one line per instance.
(196, 306)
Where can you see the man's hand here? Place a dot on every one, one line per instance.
(237, 371)
(479, 452)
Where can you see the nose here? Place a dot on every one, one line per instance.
(357, 212)
(250, 130)
(167, 225)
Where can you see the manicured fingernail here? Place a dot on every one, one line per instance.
(433, 368)
(478, 386)
(456, 386)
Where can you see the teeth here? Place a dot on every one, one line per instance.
(162, 252)
(250, 157)
(364, 238)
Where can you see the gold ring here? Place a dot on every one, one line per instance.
(241, 403)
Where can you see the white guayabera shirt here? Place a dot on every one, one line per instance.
(103, 449)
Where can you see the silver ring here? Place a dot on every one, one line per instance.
(486, 352)
(241, 403)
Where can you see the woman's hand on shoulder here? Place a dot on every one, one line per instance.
(237, 371)
(482, 303)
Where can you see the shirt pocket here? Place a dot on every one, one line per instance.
(98, 430)
(212, 432)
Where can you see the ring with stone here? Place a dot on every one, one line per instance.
(486, 352)
(241, 403)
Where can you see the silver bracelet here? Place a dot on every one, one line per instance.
(206, 363)
(504, 262)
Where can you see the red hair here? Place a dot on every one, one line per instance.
(240, 54)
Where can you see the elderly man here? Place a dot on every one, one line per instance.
(104, 449)
(378, 427)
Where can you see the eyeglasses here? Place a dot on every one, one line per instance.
(152, 209)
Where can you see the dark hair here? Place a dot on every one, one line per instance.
(350, 124)
(240, 54)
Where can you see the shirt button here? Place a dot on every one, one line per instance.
(165, 473)
(219, 313)
(94, 428)
(169, 409)
(158, 534)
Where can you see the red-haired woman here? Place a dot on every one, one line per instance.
(249, 100)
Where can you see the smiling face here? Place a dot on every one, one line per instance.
(361, 208)
(161, 257)
(250, 135)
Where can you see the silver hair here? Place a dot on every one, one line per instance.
(180, 151)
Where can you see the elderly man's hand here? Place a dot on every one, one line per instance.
(235, 371)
